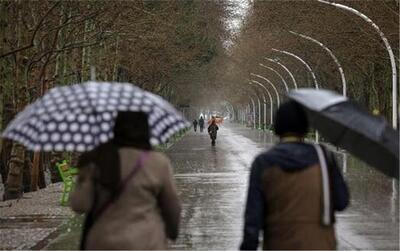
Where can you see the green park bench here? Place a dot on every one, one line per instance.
(67, 174)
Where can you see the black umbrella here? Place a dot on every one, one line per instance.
(347, 125)
(80, 117)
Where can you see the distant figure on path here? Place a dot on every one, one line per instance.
(127, 191)
(195, 125)
(212, 130)
(201, 123)
(291, 199)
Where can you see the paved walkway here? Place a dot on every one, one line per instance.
(212, 182)
(212, 185)
(32, 221)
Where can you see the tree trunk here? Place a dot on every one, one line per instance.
(35, 171)
(58, 69)
(42, 164)
(55, 176)
(26, 174)
(6, 145)
(85, 53)
(14, 188)
(116, 62)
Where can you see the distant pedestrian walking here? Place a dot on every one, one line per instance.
(127, 191)
(212, 130)
(293, 190)
(201, 123)
(195, 125)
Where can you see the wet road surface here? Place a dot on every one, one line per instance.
(32, 221)
(212, 183)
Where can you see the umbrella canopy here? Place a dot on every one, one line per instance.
(218, 120)
(80, 117)
(347, 125)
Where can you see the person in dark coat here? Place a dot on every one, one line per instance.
(201, 123)
(289, 200)
(212, 130)
(195, 125)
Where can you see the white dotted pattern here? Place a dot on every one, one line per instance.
(79, 117)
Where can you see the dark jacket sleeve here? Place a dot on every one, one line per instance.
(340, 192)
(254, 214)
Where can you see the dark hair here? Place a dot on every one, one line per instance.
(290, 119)
(105, 157)
(131, 129)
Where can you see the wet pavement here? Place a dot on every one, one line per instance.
(34, 220)
(212, 183)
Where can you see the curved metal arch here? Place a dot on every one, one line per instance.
(231, 107)
(285, 68)
(303, 62)
(277, 73)
(340, 68)
(269, 96)
(269, 82)
(265, 107)
(251, 94)
(388, 48)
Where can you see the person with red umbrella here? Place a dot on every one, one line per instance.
(212, 131)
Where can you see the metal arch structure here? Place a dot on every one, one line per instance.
(389, 50)
(254, 92)
(259, 108)
(277, 73)
(249, 108)
(264, 105)
(243, 111)
(285, 68)
(312, 73)
(269, 82)
(254, 112)
(233, 109)
(255, 100)
(251, 94)
(269, 95)
(340, 68)
(303, 62)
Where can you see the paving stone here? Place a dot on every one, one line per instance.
(26, 222)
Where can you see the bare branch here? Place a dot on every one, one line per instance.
(31, 44)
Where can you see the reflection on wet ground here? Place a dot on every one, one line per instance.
(212, 183)
(372, 220)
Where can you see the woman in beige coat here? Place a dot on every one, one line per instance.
(127, 191)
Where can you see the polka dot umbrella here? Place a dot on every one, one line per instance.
(80, 117)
